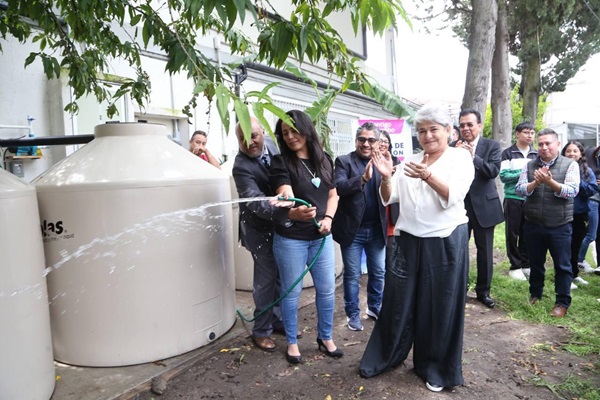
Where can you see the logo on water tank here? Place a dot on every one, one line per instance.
(52, 231)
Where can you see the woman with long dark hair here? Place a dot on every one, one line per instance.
(303, 170)
(587, 188)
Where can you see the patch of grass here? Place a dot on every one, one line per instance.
(582, 320)
(571, 388)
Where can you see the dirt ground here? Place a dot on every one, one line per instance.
(501, 357)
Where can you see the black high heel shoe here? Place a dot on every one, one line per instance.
(293, 359)
(337, 353)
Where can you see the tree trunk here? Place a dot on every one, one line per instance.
(501, 111)
(481, 48)
(531, 87)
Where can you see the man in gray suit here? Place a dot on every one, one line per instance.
(250, 172)
(482, 202)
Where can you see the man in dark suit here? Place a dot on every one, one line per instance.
(360, 224)
(250, 172)
(482, 202)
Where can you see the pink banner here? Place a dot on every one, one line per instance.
(401, 141)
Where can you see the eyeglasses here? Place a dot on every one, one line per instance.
(383, 142)
(362, 140)
(528, 133)
(468, 124)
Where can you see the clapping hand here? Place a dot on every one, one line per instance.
(542, 175)
(383, 163)
(466, 145)
(417, 170)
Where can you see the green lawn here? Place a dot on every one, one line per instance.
(582, 320)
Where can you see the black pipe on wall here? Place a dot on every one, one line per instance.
(47, 141)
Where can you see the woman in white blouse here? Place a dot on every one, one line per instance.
(425, 287)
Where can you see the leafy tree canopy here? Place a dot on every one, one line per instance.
(81, 37)
(563, 34)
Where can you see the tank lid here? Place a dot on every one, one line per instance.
(116, 128)
(127, 154)
(11, 186)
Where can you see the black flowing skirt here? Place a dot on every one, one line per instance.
(423, 305)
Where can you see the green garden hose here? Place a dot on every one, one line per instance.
(301, 275)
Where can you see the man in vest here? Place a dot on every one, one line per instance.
(514, 158)
(550, 183)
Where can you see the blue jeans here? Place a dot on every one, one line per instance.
(292, 256)
(372, 241)
(591, 230)
(557, 240)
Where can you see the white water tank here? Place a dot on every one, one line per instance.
(26, 362)
(244, 264)
(139, 272)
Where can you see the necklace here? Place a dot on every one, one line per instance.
(316, 181)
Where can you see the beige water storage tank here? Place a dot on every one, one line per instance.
(244, 264)
(140, 273)
(26, 363)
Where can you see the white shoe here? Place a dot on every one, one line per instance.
(526, 272)
(433, 388)
(596, 271)
(584, 266)
(517, 274)
(372, 314)
(573, 286)
(580, 281)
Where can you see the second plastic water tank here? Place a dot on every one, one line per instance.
(26, 363)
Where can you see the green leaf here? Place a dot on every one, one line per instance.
(263, 94)
(355, 19)
(259, 113)
(232, 11)
(280, 113)
(195, 7)
(222, 12)
(223, 99)
(147, 32)
(243, 116)
(365, 6)
(282, 43)
(240, 5)
(303, 41)
(322, 105)
(299, 73)
(328, 9)
(31, 58)
(135, 19)
(209, 6)
(251, 9)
